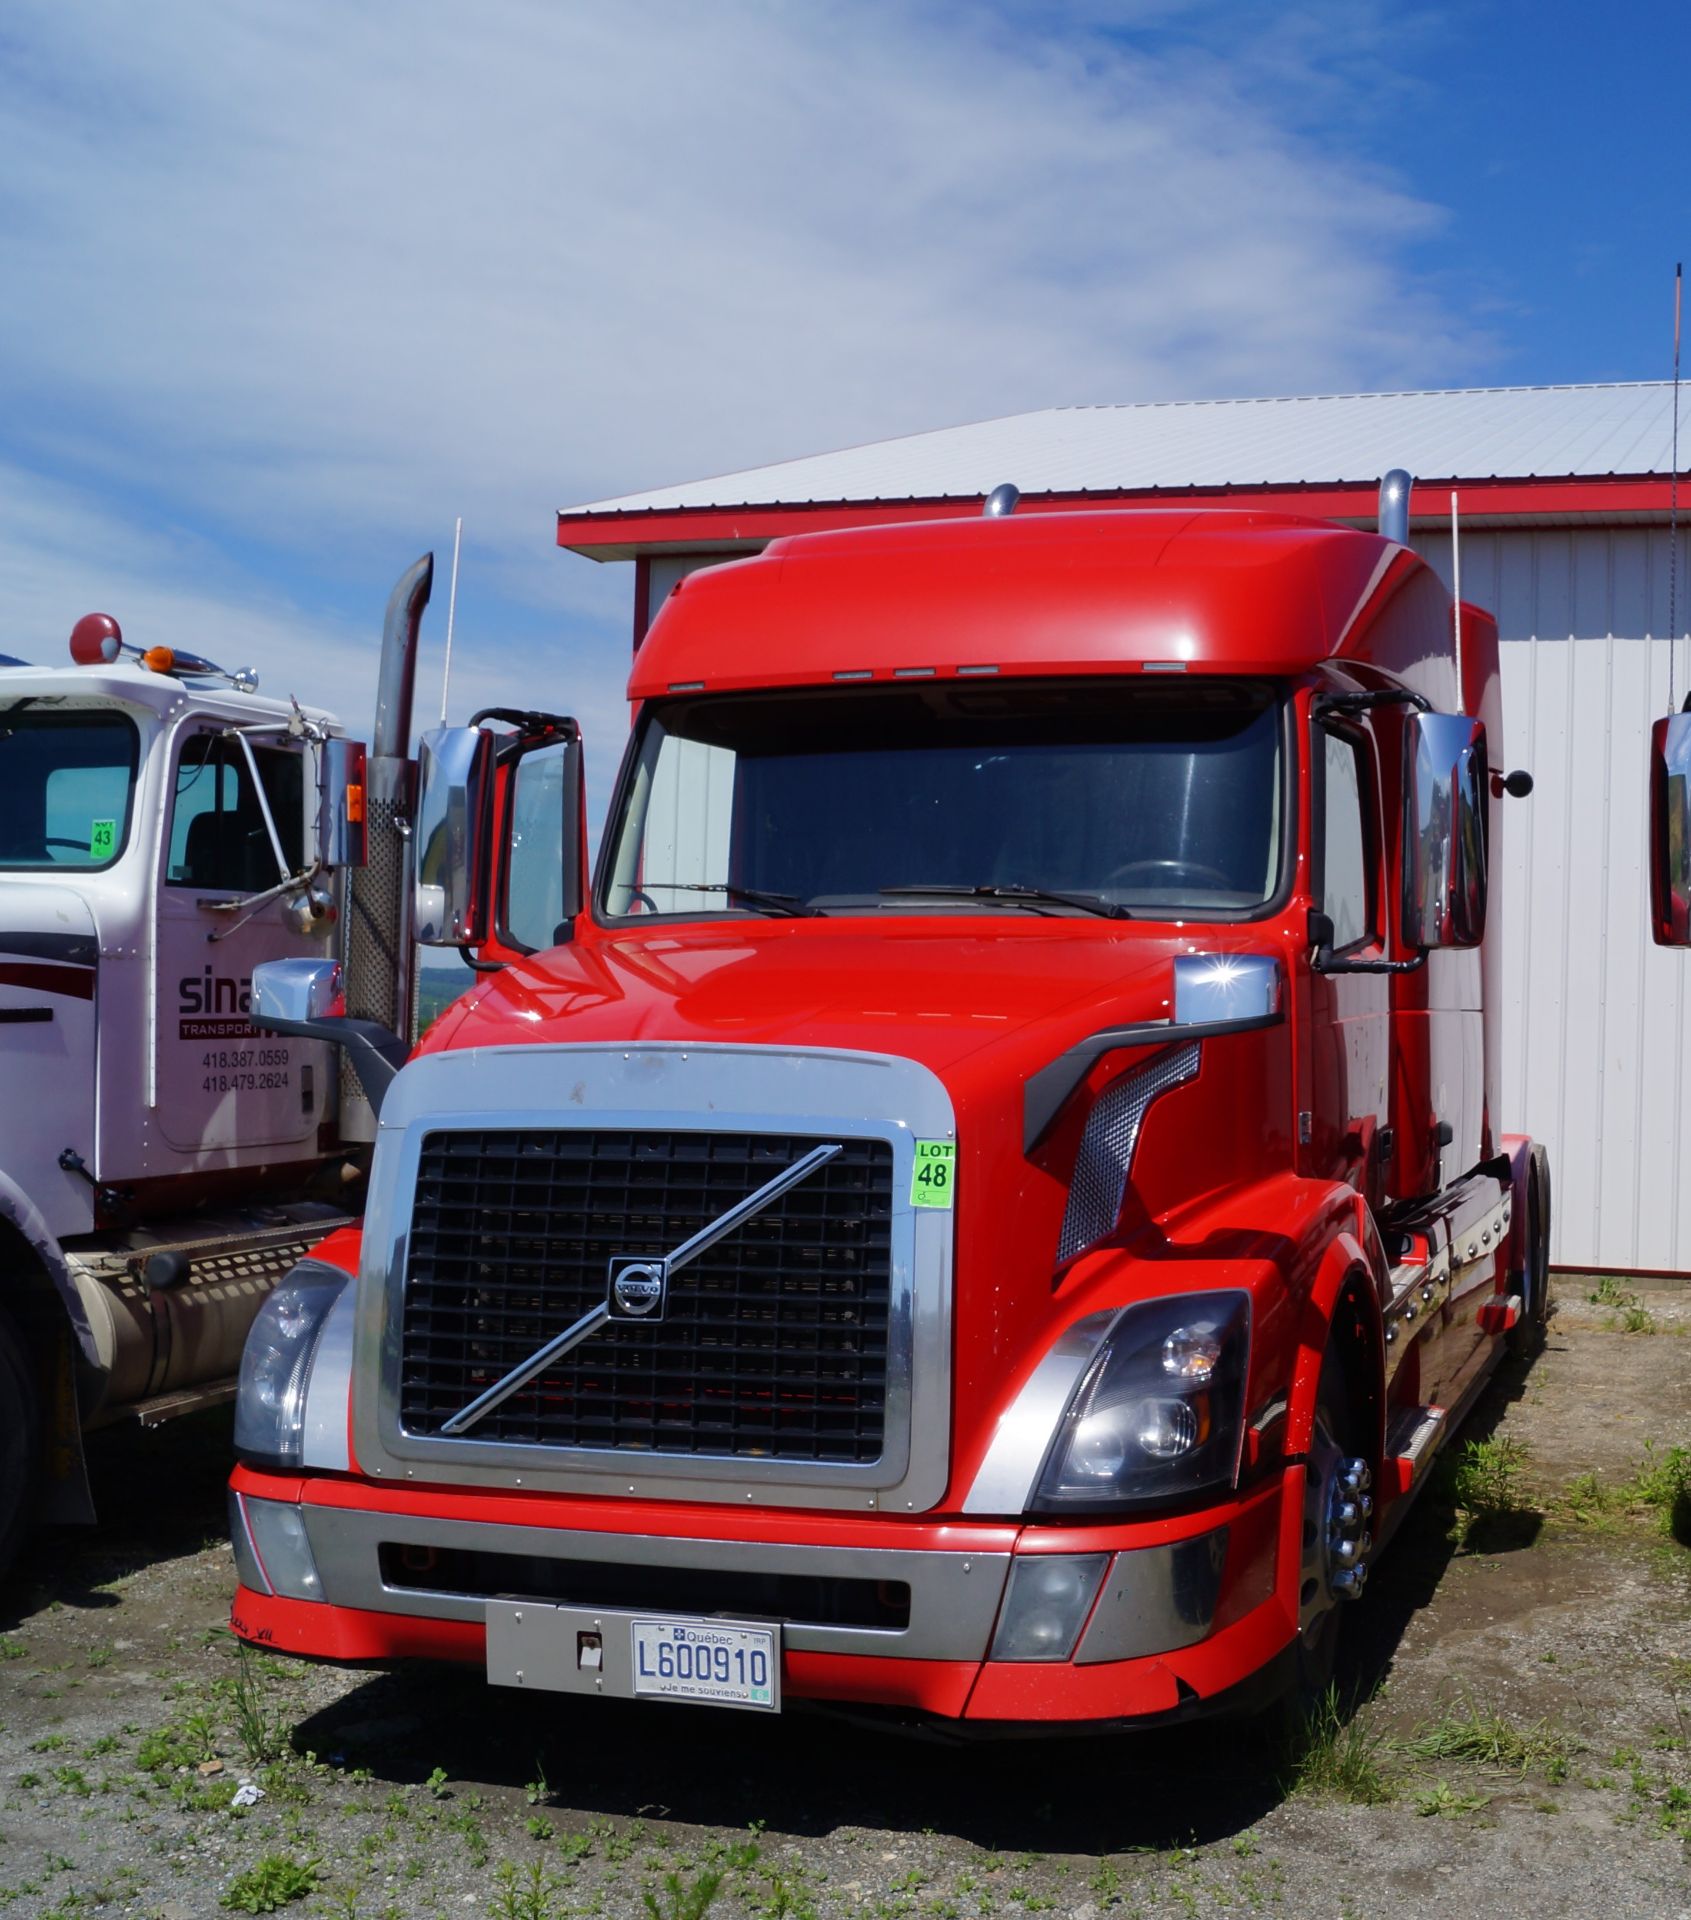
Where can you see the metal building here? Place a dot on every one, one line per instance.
(1565, 497)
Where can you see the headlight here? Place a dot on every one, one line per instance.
(276, 1365)
(1158, 1413)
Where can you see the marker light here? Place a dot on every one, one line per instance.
(1191, 1353)
(159, 660)
(96, 640)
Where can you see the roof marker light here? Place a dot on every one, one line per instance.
(855, 673)
(686, 686)
(96, 640)
(969, 673)
(1164, 666)
(159, 660)
(912, 673)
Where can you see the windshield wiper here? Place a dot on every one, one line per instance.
(1013, 896)
(758, 898)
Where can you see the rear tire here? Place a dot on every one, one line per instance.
(1527, 1334)
(20, 1441)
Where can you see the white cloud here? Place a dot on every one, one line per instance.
(289, 287)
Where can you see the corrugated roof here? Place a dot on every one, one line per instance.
(1518, 433)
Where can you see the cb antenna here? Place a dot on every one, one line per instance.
(451, 611)
(1673, 495)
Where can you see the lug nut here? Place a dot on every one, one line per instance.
(1355, 1477)
(1348, 1582)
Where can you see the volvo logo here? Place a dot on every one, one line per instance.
(638, 1288)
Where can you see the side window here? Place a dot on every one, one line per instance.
(1346, 895)
(217, 834)
(541, 816)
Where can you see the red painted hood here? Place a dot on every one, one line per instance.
(937, 991)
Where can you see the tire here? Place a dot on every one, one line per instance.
(20, 1441)
(1526, 1336)
(1335, 1459)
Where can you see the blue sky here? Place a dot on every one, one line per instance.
(288, 288)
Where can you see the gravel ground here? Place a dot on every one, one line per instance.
(1522, 1743)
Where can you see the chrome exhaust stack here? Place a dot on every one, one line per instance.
(1393, 521)
(379, 972)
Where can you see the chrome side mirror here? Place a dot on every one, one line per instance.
(342, 835)
(1444, 831)
(295, 990)
(1670, 831)
(452, 844)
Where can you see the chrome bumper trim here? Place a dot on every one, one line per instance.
(953, 1596)
(1156, 1599)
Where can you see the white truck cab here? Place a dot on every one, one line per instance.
(163, 830)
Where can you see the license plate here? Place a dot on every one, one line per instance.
(706, 1660)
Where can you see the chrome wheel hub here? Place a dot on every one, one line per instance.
(1336, 1537)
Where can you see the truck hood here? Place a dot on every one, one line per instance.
(932, 990)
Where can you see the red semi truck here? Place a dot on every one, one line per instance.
(989, 1203)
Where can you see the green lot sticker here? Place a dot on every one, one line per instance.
(934, 1180)
(102, 839)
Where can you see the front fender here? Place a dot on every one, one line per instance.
(67, 1498)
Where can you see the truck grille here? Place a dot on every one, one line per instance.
(775, 1340)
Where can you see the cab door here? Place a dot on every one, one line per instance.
(1342, 1124)
(225, 1090)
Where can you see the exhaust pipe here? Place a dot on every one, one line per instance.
(1393, 521)
(379, 974)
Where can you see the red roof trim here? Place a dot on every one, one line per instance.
(624, 533)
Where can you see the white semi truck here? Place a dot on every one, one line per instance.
(163, 830)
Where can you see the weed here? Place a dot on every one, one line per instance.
(73, 1780)
(1333, 1754)
(539, 1829)
(100, 1657)
(524, 1896)
(1441, 1800)
(436, 1784)
(107, 1743)
(273, 1882)
(178, 1744)
(10, 1649)
(48, 1743)
(259, 1730)
(575, 1846)
(1106, 1882)
(784, 1897)
(29, 1779)
(1469, 1732)
(539, 1789)
(684, 1899)
(475, 1841)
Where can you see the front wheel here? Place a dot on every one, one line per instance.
(1338, 1503)
(20, 1440)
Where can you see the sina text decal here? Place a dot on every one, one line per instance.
(214, 1007)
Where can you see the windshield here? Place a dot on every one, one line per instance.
(1140, 798)
(65, 784)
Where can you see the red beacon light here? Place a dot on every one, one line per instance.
(96, 640)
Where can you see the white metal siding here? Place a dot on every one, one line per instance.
(1594, 1014)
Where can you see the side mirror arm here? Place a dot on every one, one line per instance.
(376, 1054)
(1324, 960)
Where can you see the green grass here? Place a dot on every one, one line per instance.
(1442, 1800)
(274, 1882)
(1656, 1492)
(1470, 1732)
(1334, 1756)
(1630, 1314)
(684, 1899)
